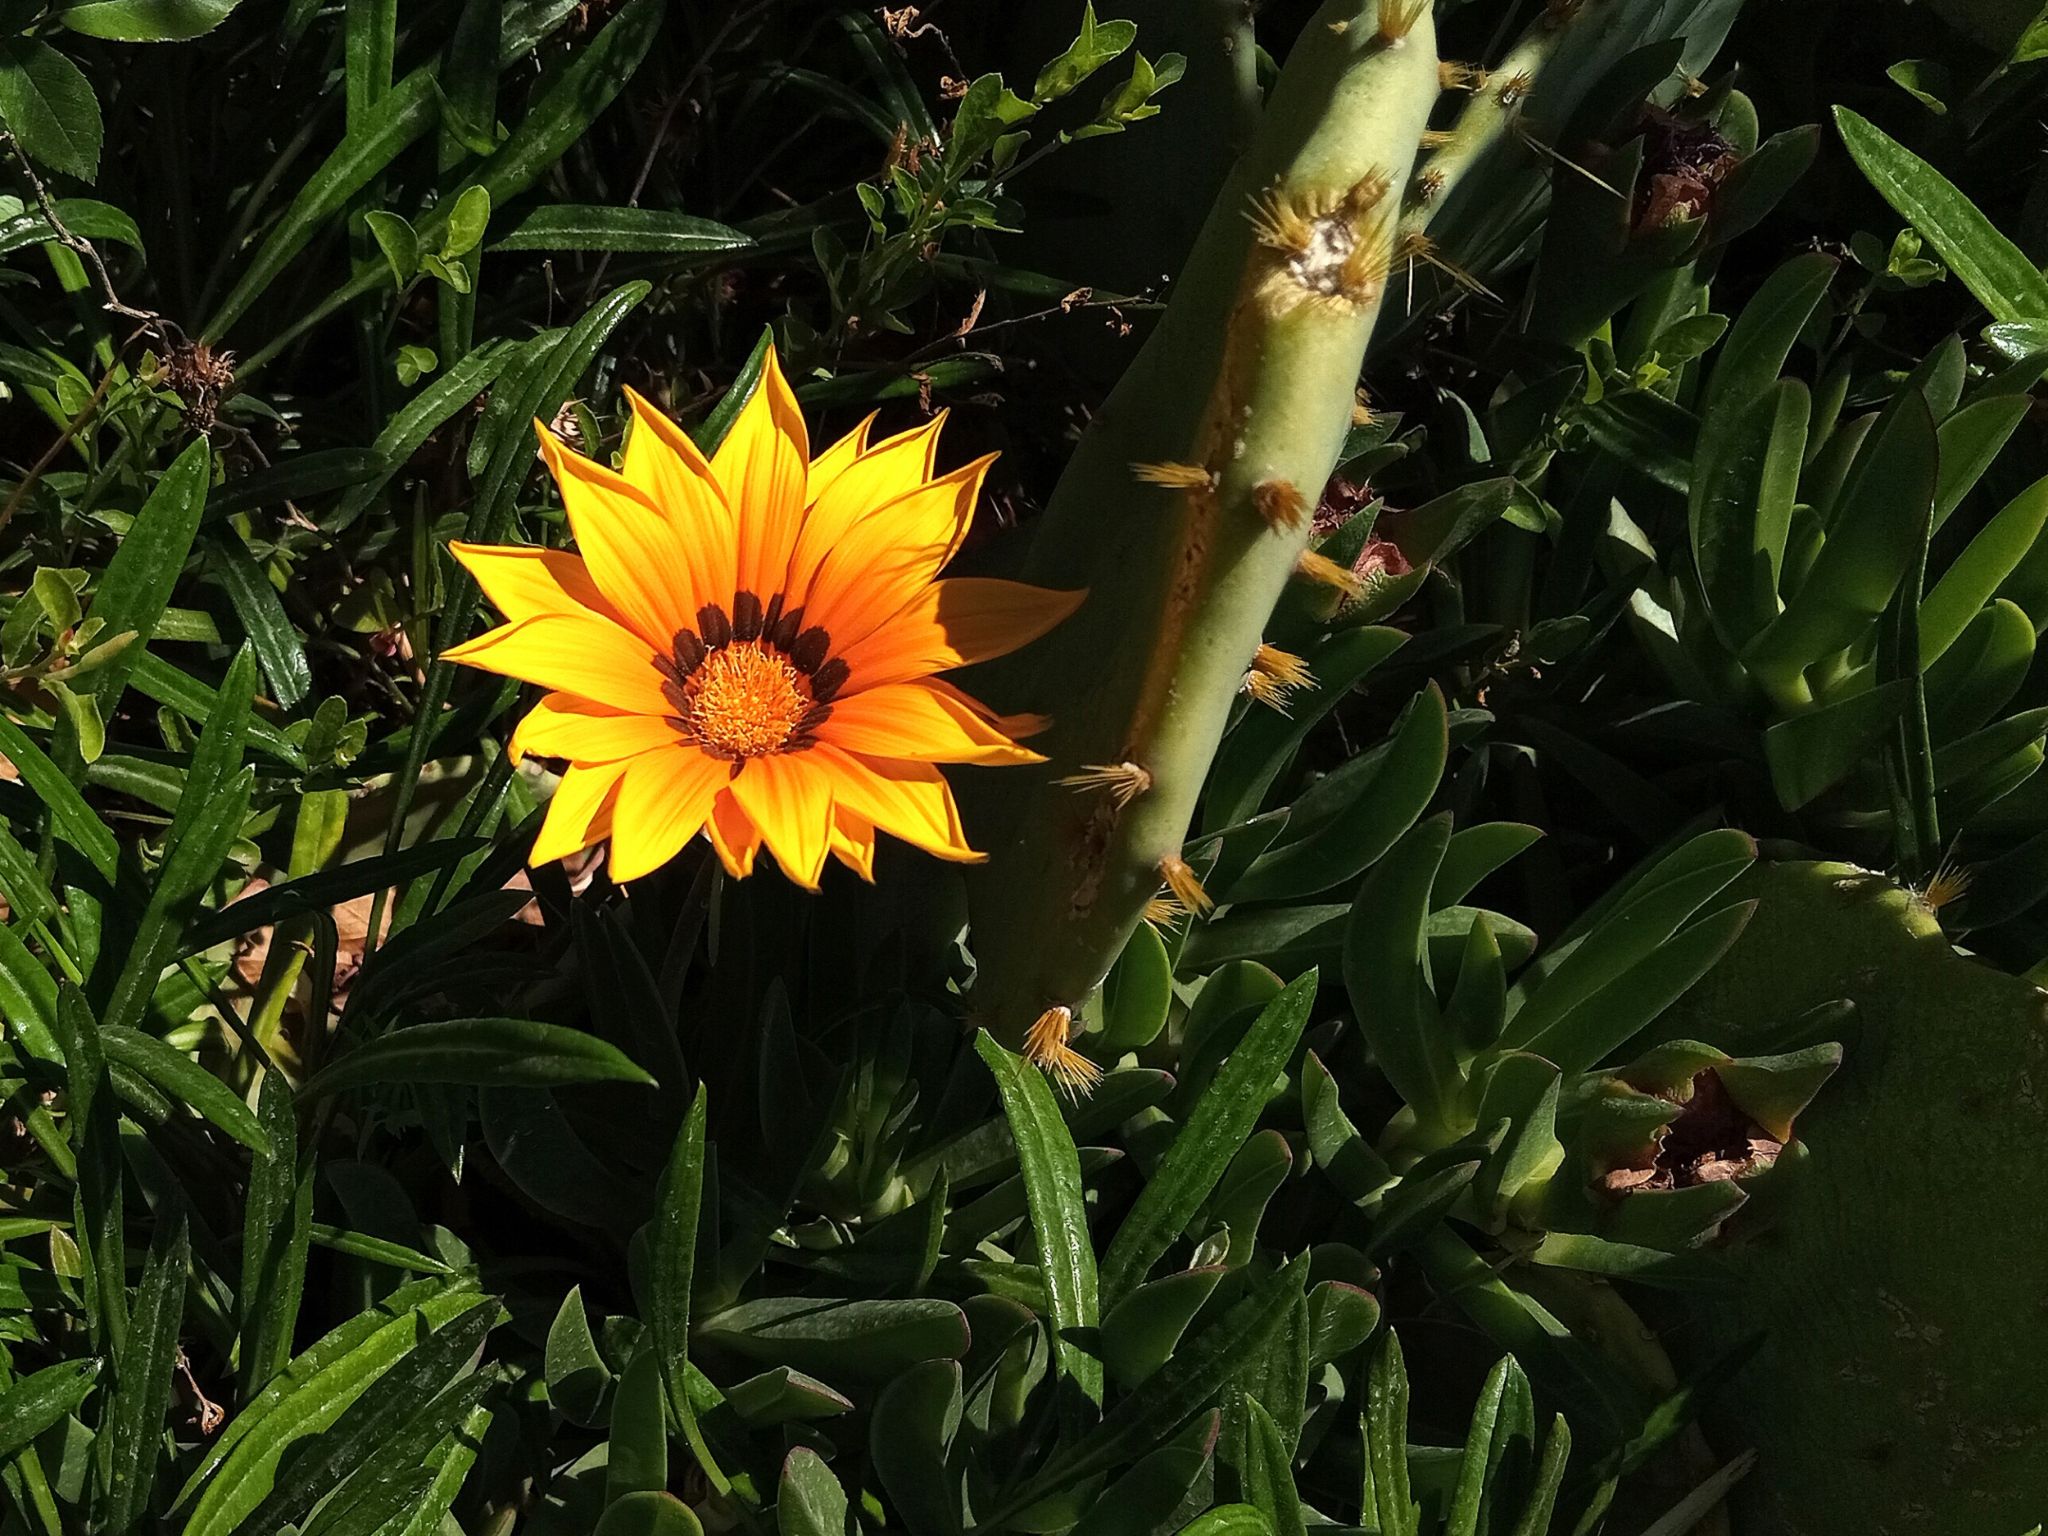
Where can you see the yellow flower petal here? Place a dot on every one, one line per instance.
(577, 653)
(910, 720)
(1017, 727)
(663, 462)
(884, 560)
(563, 725)
(663, 802)
(580, 814)
(789, 797)
(763, 465)
(853, 843)
(523, 582)
(826, 467)
(633, 553)
(735, 838)
(907, 800)
(955, 623)
(892, 468)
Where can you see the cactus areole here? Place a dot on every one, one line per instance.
(1186, 508)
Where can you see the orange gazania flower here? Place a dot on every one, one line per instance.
(748, 646)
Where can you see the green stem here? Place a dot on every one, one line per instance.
(1250, 377)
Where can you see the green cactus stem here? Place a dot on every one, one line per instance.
(1186, 506)
(1896, 1284)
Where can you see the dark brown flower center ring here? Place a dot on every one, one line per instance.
(753, 681)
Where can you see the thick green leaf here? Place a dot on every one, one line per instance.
(1059, 1210)
(673, 1240)
(638, 1458)
(1876, 536)
(1763, 336)
(1267, 1476)
(41, 1400)
(49, 106)
(1144, 1498)
(205, 829)
(1741, 507)
(481, 1053)
(1390, 794)
(419, 418)
(596, 74)
(134, 1428)
(648, 1514)
(382, 1414)
(1385, 954)
(73, 819)
(276, 1229)
(577, 1377)
(1203, 1147)
(1602, 1023)
(915, 1421)
(1981, 570)
(1143, 1330)
(1998, 272)
(1188, 1383)
(1265, 741)
(1229, 1520)
(236, 1470)
(1970, 440)
(1812, 752)
(81, 215)
(1137, 994)
(185, 1081)
(809, 1500)
(863, 1340)
(278, 645)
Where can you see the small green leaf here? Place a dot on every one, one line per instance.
(1137, 993)
(395, 238)
(1097, 44)
(82, 712)
(145, 21)
(49, 106)
(467, 220)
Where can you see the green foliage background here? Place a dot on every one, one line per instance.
(359, 1182)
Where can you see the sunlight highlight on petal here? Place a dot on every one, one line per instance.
(582, 654)
(663, 802)
(763, 465)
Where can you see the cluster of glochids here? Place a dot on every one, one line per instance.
(1048, 1044)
